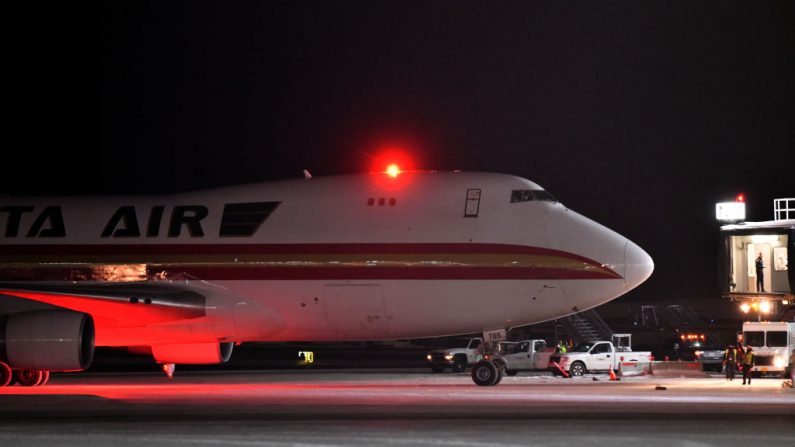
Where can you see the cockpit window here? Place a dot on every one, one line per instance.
(527, 195)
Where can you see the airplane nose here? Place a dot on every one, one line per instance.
(638, 265)
(624, 265)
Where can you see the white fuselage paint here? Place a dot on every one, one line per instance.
(429, 210)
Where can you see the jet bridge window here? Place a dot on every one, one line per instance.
(527, 195)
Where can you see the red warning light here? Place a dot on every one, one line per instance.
(393, 170)
(392, 162)
(740, 197)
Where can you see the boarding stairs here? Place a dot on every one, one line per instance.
(648, 315)
(586, 327)
(673, 316)
(682, 317)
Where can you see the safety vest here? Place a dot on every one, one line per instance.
(748, 359)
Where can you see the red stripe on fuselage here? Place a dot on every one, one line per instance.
(313, 273)
(70, 254)
(386, 273)
(255, 249)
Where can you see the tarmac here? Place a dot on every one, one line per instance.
(395, 407)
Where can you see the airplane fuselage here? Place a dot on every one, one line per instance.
(339, 258)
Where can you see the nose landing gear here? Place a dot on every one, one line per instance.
(486, 373)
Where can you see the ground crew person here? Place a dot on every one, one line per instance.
(748, 364)
(561, 348)
(730, 360)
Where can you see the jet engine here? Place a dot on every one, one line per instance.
(47, 340)
(193, 353)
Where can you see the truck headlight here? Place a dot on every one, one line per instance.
(778, 361)
(448, 357)
(429, 357)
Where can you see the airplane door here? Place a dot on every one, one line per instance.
(472, 207)
(356, 311)
(753, 252)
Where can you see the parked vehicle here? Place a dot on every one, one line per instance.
(525, 355)
(710, 357)
(695, 347)
(457, 357)
(773, 342)
(596, 357)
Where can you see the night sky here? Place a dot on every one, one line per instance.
(639, 115)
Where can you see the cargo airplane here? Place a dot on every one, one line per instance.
(387, 255)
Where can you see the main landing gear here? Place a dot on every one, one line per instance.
(24, 377)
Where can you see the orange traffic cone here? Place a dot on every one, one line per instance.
(612, 374)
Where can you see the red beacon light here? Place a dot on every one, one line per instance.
(740, 198)
(393, 170)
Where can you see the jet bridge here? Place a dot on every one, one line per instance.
(766, 293)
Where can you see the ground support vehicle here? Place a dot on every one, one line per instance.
(773, 343)
(511, 358)
(456, 358)
(526, 355)
(696, 347)
(596, 357)
(711, 358)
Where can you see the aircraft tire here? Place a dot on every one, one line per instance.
(498, 379)
(28, 377)
(486, 373)
(6, 375)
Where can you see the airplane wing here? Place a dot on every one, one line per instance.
(117, 304)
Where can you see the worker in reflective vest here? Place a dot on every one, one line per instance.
(748, 364)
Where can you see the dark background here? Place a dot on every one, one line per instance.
(639, 115)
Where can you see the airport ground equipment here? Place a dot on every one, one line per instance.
(741, 243)
(456, 358)
(772, 342)
(509, 359)
(711, 358)
(526, 355)
(597, 357)
(585, 327)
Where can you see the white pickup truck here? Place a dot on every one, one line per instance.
(465, 352)
(525, 355)
(596, 357)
